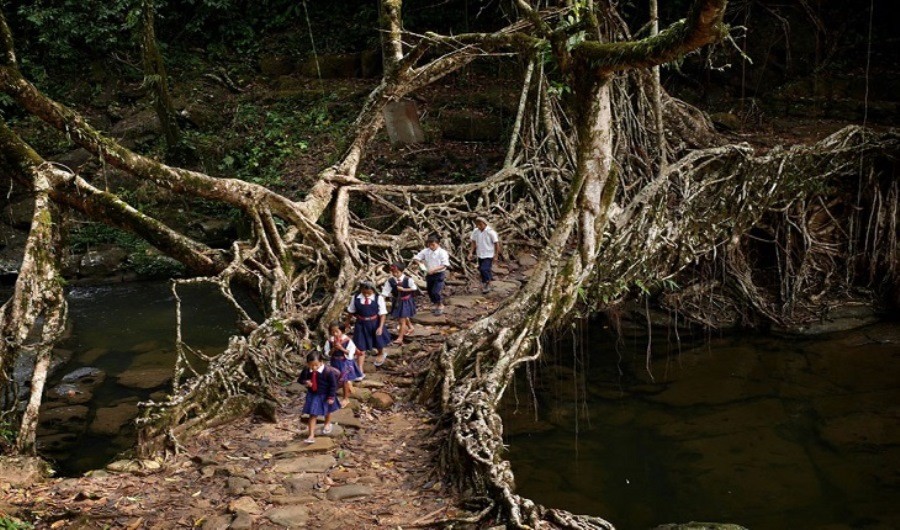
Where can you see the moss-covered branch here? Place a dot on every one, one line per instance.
(703, 25)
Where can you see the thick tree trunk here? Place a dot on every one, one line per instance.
(37, 307)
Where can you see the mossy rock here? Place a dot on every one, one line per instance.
(23, 471)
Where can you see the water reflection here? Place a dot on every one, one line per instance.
(127, 332)
(761, 431)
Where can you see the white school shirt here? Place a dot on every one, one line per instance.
(386, 291)
(351, 348)
(382, 308)
(433, 258)
(484, 242)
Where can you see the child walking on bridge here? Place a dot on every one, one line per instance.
(341, 351)
(369, 332)
(485, 245)
(321, 384)
(401, 288)
(436, 260)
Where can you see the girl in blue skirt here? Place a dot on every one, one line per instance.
(321, 384)
(369, 332)
(340, 349)
(401, 288)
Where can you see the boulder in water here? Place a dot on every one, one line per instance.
(102, 261)
(145, 378)
(110, 420)
(86, 377)
(69, 418)
(700, 526)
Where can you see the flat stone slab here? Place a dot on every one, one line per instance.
(322, 445)
(303, 483)
(469, 301)
(505, 285)
(217, 522)
(289, 516)
(423, 331)
(346, 418)
(431, 320)
(244, 504)
(290, 500)
(308, 464)
(350, 491)
(369, 383)
(336, 432)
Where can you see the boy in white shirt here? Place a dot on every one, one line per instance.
(486, 245)
(436, 261)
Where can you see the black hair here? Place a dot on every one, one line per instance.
(313, 356)
(336, 324)
(433, 238)
(399, 266)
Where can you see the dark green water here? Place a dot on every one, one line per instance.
(770, 433)
(128, 331)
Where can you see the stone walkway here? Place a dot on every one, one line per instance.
(376, 470)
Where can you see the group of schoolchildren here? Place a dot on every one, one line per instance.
(346, 356)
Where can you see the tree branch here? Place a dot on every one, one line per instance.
(703, 25)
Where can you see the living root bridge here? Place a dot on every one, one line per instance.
(574, 185)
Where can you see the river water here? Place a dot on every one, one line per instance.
(128, 332)
(762, 431)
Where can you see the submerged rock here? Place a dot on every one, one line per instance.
(66, 394)
(110, 420)
(700, 526)
(56, 443)
(70, 418)
(87, 376)
(145, 378)
(863, 431)
(841, 318)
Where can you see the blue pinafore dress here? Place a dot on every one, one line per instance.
(404, 303)
(325, 386)
(347, 367)
(367, 319)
